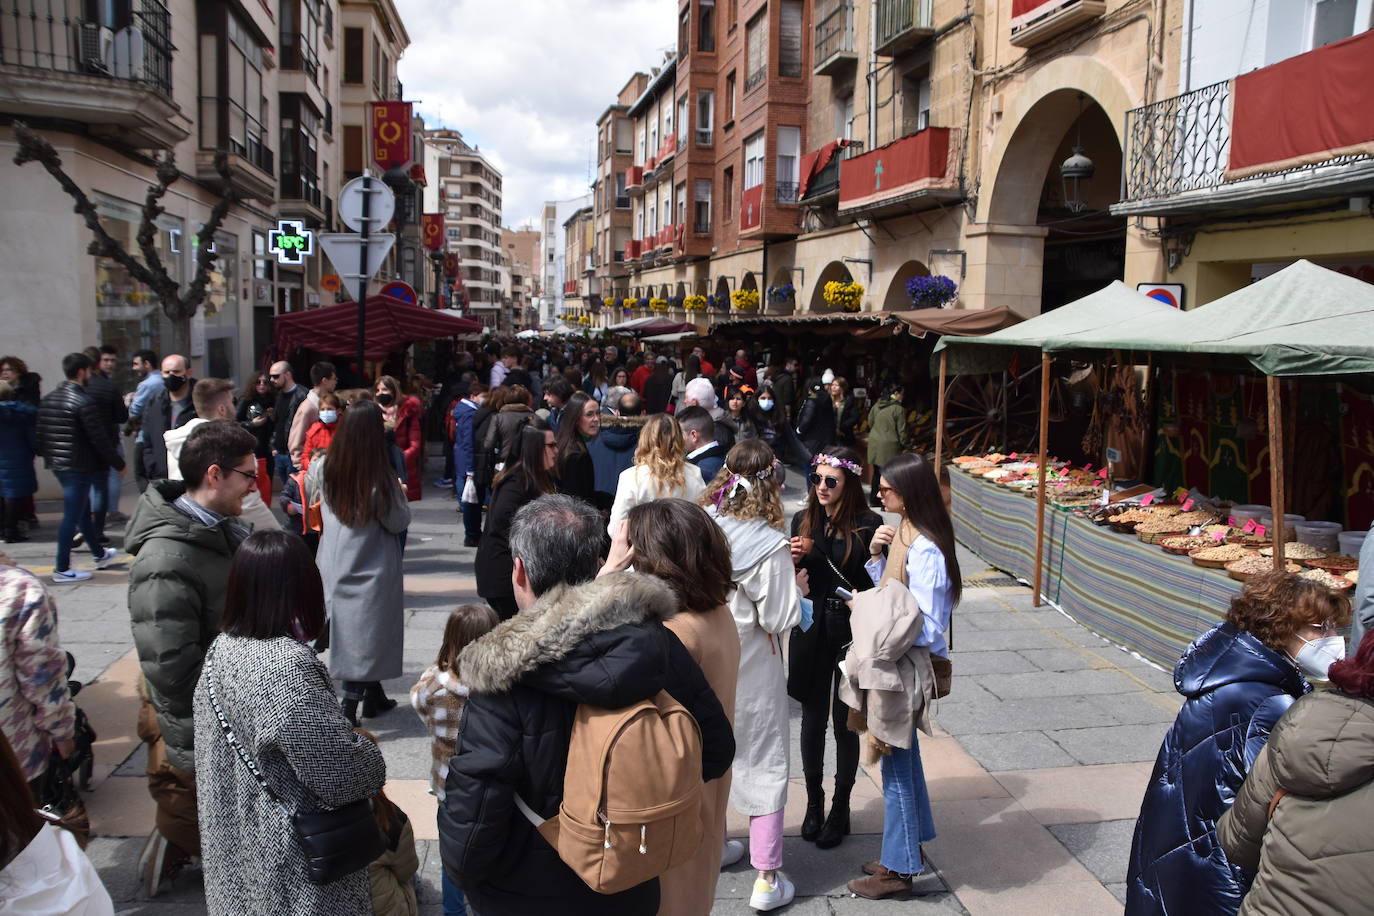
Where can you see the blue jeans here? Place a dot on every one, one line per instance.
(907, 821)
(76, 506)
(105, 495)
(282, 467)
(455, 904)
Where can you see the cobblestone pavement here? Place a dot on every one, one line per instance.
(1036, 772)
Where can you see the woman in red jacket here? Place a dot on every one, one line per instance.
(402, 415)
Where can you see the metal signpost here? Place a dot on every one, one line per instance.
(364, 202)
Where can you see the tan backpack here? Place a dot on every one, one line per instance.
(631, 806)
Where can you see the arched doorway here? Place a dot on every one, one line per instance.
(897, 299)
(1080, 246)
(834, 271)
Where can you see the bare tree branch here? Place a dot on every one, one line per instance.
(205, 258)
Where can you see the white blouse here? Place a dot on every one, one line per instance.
(635, 486)
(929, 583)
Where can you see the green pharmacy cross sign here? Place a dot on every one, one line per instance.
(291, 241)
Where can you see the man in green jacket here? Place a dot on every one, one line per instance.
(183, 536)
(886, 432)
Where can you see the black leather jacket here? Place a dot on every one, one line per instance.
(74, 431)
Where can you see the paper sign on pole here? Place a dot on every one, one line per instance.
(344, 250)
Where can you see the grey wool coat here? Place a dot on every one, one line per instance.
(363, 590)
(281, 705)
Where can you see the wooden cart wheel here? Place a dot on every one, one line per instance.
(986, 413)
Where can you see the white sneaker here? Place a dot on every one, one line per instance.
(771, 896)
(70, 575)
(731, 852)
(106, 558)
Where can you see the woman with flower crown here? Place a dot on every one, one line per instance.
(766, 602)
(830, 541)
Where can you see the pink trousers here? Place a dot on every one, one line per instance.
(765, 841)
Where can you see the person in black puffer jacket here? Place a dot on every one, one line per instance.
(77, 443)
(575, 641)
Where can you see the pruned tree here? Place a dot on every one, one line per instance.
(178, 304)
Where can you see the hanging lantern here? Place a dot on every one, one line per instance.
(1075, 169)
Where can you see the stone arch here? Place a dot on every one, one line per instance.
(702, 287)
(897, 299)
(722, 294)
(835, 270)
(1036, 120)
(749, 281)
(782, 277)
(665, 291)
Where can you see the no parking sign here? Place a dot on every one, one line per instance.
(1168, 293)
(398, 289)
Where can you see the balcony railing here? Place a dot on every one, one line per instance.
(787, 191)
(835, 36)
(303, 184)
(1183, 144)
(903, 24)
(55, 35)
(618, 256)
(702, 224)
(622, 202)
(827, 180)
(704, 136)
(753, 79)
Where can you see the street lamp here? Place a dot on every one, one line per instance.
(1077, 168)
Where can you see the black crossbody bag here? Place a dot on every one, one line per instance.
(337, 842)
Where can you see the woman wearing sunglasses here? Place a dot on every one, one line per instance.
(830, 540)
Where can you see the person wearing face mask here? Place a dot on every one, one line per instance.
(1237, 680)
(321, 432)
(1302, 820)
(170, 408)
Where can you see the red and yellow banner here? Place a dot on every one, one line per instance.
(450, 265)
(432, 230)
(391, 138)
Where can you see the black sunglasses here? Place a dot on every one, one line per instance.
(828, 483)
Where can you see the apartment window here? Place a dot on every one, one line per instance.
(681, 205)
(653, 217)
(639, 222)
(1332, 20)
(730, 98)
(684, 25)
(653, 137)
(300, 126)
(789, 155)
(732, 13)
(706, 116)
(727, 186)
(299, 35)
(915, 101)
(756, 50)
(844, 116)
(701, 206)
(790, 39)
(643, 156)
(622, 200)
(624, 132)
(667, 117)
(353, 56)
(231, 100)
(706, 26)
(682, 125)
(352, 151)
(376, 67)
(753, 160)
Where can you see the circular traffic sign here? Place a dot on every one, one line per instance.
(1163, 295)
(382, 205)
(331, 283)
(399, 289)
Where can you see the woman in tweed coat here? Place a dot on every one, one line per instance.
(280, 702)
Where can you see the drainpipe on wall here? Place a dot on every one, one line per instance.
(870, 67)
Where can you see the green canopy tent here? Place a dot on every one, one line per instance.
(1114, 306)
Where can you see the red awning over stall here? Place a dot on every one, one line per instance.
(391, 325)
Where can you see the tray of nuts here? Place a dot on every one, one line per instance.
(1322, 577)
(1336, 565)
(1252, 541)
(1246, 567)
(1182, 545)
(1217, 557)
(1294, 550)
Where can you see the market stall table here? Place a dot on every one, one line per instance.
(1133, 594)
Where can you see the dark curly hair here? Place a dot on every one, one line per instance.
(1274, 605)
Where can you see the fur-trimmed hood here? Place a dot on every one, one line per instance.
(620, 434)
(589, 642)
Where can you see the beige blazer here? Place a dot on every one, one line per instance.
(885, 677)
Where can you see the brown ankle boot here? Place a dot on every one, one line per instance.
(882, 886)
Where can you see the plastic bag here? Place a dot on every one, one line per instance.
(469, 492)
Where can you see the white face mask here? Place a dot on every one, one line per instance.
(765, 405)
(1318, 655)
(328, 416)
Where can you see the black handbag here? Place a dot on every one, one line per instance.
(335, 842)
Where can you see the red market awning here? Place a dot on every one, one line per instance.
(662, 326)
(391, 326)
(1304, 110)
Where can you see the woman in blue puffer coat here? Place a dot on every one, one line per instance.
(18, 443)
(1238, 680)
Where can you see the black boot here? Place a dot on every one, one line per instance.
(836, 826)
(350, 711)
(815, 814)
(375, 702)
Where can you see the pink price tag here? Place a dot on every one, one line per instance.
(1231, 520)
(1014, 455)
(1187, 505)
(1218, 536)
(1147, 499)
(1102, 474)
(1250, 526)
(1087, 467)
(1261, 531)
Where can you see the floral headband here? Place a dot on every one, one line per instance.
(740, 481)
(834, 462)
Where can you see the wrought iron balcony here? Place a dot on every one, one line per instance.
(704, 136)
(827, 180)
(56, 62)
(1178, 150)
(903, 24)
(835, 37)
(787, 191)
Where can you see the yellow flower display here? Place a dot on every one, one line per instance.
(694, 303)
(658, 305)
(848, 296)
(745, 299)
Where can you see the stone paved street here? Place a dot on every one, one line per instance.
(1036, 774)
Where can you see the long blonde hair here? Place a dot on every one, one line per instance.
(663, 451)
(752, 462)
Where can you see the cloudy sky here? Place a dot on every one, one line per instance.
(526, 79)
